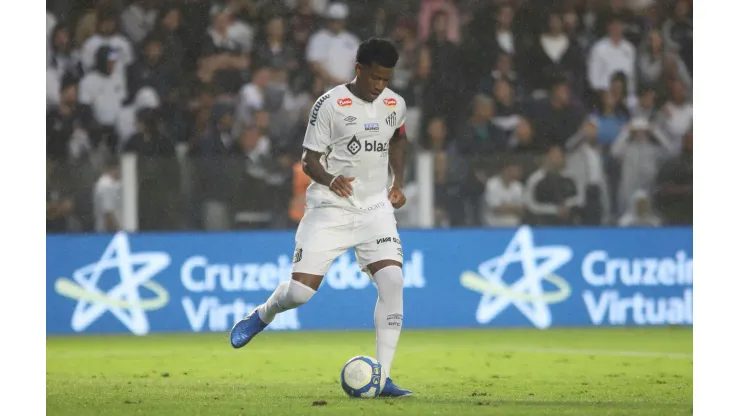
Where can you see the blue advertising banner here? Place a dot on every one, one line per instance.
(543, 277)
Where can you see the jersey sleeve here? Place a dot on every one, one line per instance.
(318, 131)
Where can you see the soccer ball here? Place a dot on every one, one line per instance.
(363, 377)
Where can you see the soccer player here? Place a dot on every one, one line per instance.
(355, 132)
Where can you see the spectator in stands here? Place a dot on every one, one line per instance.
(168, 30)
(640, 212)
(214, 179)
(107, 35)
(428, 13)
(62, 57)
(641, 148)
(62, 121)
(405, 81)
(126, 125)
(102, 92)
(674, 186)
(439, 67)
(252, 97)
(274, 50)
(551, 197)
(256, 148)
(645, 106)
(138, 20)
(59, 204)
(584, 163)
(521, 139)
(223, 59)
(609, 121)
(655, 60)
(508, 110)
(505, 40)
(303, 22)
(376, 23)
(676, 116)
(240, 13)
(331, 51)
(678, 32)
(555, 52)
(436, 141)
(618, 9)
(504, 198)
(51, 22)
(557, 117)
(480, 135)
(503, 70)
(152, 70)
(150, 139)
(623, 100)
(108, 200)
(609, 55)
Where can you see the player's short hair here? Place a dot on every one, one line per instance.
(379, 51)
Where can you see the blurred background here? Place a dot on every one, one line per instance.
(190, 114)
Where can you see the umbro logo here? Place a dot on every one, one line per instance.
(391, 119)
(350, 121)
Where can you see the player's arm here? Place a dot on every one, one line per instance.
(316, 143)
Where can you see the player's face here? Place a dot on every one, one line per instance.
(373, 80)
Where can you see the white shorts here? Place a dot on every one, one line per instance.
(326, 233)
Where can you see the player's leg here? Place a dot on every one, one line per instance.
(315, 251)
(382, 258)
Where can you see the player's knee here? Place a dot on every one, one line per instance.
(390, 278)
(296, 295)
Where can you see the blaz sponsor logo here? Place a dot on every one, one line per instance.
(315, 111)
(344, 102)
(390, 102)
(372, 127)
(384, 240)
(354, 146)
(374, 146)
(350, 121)
(391, 119)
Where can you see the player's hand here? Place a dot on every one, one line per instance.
(397, 198)
(342, 186)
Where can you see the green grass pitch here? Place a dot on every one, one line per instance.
(594, 371)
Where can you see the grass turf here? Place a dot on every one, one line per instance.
(594, 371)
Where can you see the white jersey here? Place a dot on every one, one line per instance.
(354, 136)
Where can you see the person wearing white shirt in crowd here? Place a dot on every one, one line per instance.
(252, 96)
(107, 199)
(331, 51)
(107, 35)
(138, 19)
(503, 198)
(238, 31)
(609, 55)
(677, 116)
(104, 89)
(640, 212)
(126, 123)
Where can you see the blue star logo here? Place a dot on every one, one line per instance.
(527, 293)
(122, 300)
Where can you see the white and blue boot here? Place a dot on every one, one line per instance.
(392, 390)
(246, 329)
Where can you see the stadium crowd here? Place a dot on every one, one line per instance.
(560, 112)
